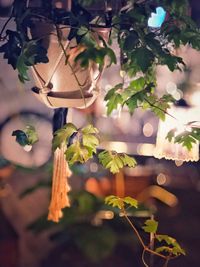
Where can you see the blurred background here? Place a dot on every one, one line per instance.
(91, 234)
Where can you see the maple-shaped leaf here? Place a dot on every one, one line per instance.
(115, 161)
(151, 226)
(28, 136)
(63, 135)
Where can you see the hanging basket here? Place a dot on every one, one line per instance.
(61, 83)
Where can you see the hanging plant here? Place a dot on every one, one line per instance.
(68, 45)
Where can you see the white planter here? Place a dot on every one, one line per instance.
(56, 82)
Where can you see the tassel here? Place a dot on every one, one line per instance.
(61, 172)
(60, 186)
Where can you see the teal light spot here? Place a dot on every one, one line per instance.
(156, 20)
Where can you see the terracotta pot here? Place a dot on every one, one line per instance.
(58, 83)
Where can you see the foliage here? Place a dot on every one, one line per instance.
(27, 137)
(170, 247)
(81, 143)
(142, 49)
(115, 161)
(187, 138)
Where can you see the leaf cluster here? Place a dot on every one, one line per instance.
(28, 136)
(115, 161)
(139, 93)
(80, 143)
(187, 138)
(170, 247)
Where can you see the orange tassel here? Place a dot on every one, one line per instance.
(60, 186)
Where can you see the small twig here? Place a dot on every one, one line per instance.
(164, 111)
(140, 238)
(134, 228)
(167, 261)
(143, 260)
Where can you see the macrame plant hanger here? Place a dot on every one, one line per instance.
(61, 171)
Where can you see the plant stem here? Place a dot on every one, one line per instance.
(140, 238)
(143, 260)
(166, 262)
(164, 111)
(134, 228)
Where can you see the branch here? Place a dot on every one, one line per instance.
(164, 111)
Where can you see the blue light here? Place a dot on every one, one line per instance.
(156, 20)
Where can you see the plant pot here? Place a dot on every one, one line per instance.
(59, 84)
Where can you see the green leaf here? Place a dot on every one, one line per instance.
(89, 129)
(143, 57)
(21, 137)
(171, 134)
(112, 91)
(115, 161)
(151, 226)
(163, 249)
(22, 69)
(127, 160)
(31, 134)
(114, 201)
(77, 153)
(28, 136)
(111, 55)
(132, 103)
(97, 55)
(32, 53)
(137, 84)
(82, 143)
(168, 239)
(90, 141)
(113, 102)
(186, 140)
(63, 135)
(131, 201)
(130, 41)
(174, 247)
(12, 48)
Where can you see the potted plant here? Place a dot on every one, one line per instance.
(81, 36)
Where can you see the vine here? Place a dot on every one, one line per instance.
(169, 248)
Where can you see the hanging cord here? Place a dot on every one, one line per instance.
(108, 13)
(45, 87)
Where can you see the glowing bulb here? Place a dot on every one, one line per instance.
(161, 179)
(148, 130)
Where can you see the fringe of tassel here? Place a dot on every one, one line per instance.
(60, 186)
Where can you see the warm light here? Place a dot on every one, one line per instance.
(93, 167)
(148, 130)
(105, 214)
(145, 149)
(177, 95)
(171, 150)
(161, 179)
(119, 147)
(178, 163)
(171, 88)
(195, 98)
